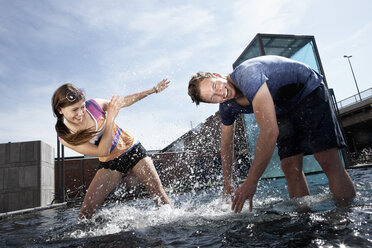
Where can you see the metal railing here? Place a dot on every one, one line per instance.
(355, 98)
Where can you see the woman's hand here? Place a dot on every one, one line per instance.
(113, 108)
(162, 85)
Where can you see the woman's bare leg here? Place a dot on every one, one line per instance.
(146, 173)
(101, 186)
(130, 180)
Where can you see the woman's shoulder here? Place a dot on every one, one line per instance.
(95, 107)
(99, 102)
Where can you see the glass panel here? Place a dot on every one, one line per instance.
(274, 168)
(300, 49)
(251, 52)
(307, 55)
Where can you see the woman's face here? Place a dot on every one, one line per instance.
(74, 113)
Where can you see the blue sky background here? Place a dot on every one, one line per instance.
(126, 46)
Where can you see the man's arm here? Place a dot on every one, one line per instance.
(227, 157)
(264, 111)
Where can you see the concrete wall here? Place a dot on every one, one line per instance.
(26, 175)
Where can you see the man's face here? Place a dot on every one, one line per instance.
(216, 90)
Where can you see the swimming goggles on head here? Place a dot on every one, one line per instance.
(73, 95)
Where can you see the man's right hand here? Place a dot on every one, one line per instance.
(245, 192)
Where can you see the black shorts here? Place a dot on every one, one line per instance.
(126, 161)
(310, 128)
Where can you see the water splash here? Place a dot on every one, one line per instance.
(202, 218)
(142, 214)
(190, 209)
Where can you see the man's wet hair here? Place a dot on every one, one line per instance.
(194, 90)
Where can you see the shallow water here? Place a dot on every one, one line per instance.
(202, 219)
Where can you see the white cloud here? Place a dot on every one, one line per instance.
(172, 22)
(353, 41)
(273, 16)
(29, 122)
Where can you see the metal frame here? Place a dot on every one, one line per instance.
(60, 194)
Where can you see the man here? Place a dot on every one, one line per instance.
(291, 107)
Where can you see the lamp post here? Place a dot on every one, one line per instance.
(348, 58)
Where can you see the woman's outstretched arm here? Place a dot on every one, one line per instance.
(133, 98)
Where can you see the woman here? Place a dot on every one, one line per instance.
(89, 127)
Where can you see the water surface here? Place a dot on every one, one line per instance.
(202, 219)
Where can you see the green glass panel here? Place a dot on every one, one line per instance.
(300, 49)
(307, 55)
(251, 52)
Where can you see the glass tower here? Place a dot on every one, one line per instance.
(296, 47)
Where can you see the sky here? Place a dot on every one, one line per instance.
(120, 47)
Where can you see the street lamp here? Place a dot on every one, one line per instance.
(348, 58)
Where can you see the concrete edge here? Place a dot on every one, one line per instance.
(29, 210)
(359, 166)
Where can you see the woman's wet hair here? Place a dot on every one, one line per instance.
(194, 90)
(67, 95)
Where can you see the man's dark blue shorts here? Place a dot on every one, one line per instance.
(310, 128)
